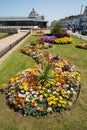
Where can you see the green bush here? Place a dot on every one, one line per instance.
(56, 29)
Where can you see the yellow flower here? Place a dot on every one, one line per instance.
(58, 83)
(70, 104)
(48, 84)
(60, 98)
(59, 105)
(53, 102)
(25, 88)
(12, 79)
(44, 88)
(41, 91)
(66, 96)
(21, 87)
(12, 91)
(61, 65)
(45, 94)
(50, 103)
(35, 104)
(16, 78)
(57, 89)
(78, 79)
(49, 99)
(4, 85)
(55, 99)
(39, 87)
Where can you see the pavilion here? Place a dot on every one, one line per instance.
(34, 20)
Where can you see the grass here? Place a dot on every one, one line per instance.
(3, 35)
(74, 119)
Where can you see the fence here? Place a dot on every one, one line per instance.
(9, 47)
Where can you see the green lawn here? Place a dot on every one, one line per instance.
(74, 119)
(2, 35)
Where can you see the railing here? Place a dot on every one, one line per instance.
(9, 47)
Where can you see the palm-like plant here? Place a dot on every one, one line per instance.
(45, 74)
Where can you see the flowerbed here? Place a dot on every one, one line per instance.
(50, 86)
(64, 40)
(82, 46)
(57, 40)
(49, 39)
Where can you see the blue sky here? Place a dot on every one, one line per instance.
(52, 9)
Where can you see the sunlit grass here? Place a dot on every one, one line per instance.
(2, 35)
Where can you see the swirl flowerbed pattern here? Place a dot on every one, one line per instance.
(48, 87)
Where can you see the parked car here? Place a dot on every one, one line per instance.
(84, 32)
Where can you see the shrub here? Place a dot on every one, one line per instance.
(56, 29)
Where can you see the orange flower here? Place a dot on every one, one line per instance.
(62, 80)
(19, 106)
(32, 104)
(22, 101)
(15, 102)
(17, 99)
(41, 109)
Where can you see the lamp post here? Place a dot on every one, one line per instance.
(81, 15)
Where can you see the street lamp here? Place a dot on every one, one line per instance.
(81, 15)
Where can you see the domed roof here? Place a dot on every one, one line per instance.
(33, 13)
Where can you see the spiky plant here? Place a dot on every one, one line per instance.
(45, 74)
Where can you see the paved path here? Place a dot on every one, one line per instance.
(10, 39)
(7, 41)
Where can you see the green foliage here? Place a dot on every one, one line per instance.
(45, 74)
(56, 29)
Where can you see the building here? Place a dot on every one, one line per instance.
(84, 18)
(34, 20)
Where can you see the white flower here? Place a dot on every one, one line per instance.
(22, 95)
(54, 92)
(32, 100)
(49, 91)
(37, 92)
(22, 91)
(35, 96)
(41, 96)
(49, 109)
(27, 99)
(72, 89)
(41, 99)
(67, 85)
(68, 91)
(59, 69)
(27, 93)
(31, 89)
(38, 108)
(74, 92)
(33, 92)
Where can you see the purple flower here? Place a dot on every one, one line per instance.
(49, 39)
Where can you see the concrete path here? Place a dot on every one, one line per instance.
(7, 41)
(10, 39)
